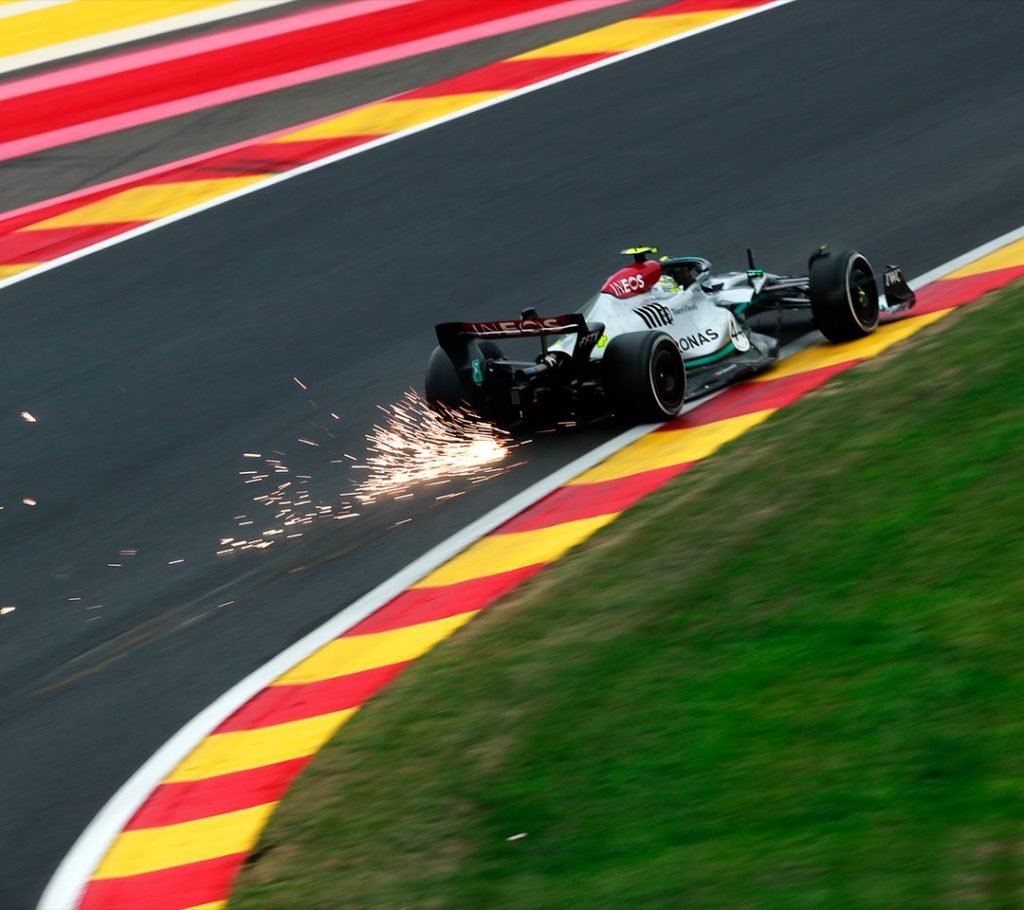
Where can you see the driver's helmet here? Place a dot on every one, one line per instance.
(684, 270)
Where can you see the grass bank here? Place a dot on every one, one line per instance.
(792, 678)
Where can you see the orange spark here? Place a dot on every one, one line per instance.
(419, 444)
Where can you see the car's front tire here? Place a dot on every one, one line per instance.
(844, 295)
(644, 378)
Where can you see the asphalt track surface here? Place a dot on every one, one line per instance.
(154, 364)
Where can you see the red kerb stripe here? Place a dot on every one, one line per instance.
(950, 292)
(174, 803)
(504, 76)
(49, 243)
(701, 6)
(168, 889)
(755, 396)
(282, 704)
(261, 158)
(588, 500)
(425, 604)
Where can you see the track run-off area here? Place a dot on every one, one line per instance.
(153, 365)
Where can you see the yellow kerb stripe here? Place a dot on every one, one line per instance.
(388, 117)
(825, 355)
(505, 552)
(150, 849)
(629, 34)
(147, 203)
(7, 270)
(216, 905)
(1004, 258)
(354, 653)
(84, 18)
(671, 447)
(225, 753)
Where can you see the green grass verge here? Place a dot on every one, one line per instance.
(792, 678)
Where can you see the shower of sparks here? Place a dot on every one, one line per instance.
(418, 444)
(413, 447)
(28, 418)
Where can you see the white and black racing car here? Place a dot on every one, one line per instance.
(658, 333)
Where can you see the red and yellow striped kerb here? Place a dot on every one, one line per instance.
(41, 233)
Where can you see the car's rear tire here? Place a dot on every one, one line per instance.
(490, 350)
(844, 295)
(644, 377)
(442, 385)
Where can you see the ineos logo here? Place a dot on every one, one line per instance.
(513, 326)
(628, 284)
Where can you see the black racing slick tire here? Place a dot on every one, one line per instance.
(644, 378)
(844, 295)
(442, 385)
(490, 350)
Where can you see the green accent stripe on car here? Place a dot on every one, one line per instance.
(711, 358)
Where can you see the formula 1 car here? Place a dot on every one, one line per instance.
(659, 333)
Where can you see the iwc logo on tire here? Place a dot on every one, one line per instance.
(740, 340)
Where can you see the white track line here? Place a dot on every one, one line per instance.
(124, 35)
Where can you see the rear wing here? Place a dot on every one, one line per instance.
(450, 333)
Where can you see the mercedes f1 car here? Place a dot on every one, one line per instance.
(659, 333)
